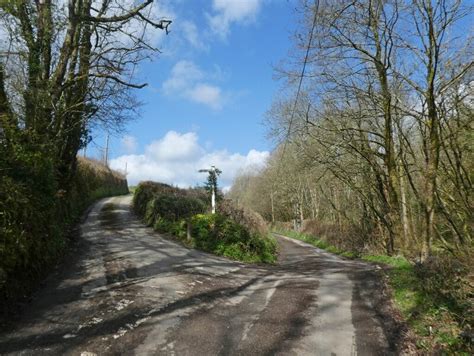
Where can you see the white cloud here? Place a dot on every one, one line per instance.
(183, 74)
(209, 95)
(177, 157)
(192, 34)
(174, 147)
(227, 12)
(129, 144)
(187, 80)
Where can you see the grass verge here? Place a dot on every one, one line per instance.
(312, 240)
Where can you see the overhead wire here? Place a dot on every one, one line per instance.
(303, 70)
(298, 92)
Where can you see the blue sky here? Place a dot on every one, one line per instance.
(208, 91)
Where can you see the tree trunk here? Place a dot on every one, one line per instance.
(188, 229)
(272, 207)
(405, 220)
(432, 159)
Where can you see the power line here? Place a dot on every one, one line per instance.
(316, 10)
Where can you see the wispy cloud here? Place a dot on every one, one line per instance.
(129, 144)
(227, 12)
(193, 35)
(188, 81)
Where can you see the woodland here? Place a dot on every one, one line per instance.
(374, 153)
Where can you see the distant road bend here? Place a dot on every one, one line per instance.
(129, 291)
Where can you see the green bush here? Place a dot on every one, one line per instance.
(173, 207)
(28, 239)
(223, 236)
(178, 199)
(233, 232)
(145, 191)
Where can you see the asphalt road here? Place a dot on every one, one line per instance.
(126, 290)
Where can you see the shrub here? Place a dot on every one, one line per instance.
(446, 279)
(195, 199)
(145, 191)
(35, 215)
(221, 235)
(234, 232)
(171, 208)
(252, 221)
(92, 181)
(175, 207)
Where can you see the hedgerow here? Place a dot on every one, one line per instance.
(35, 215)
(233, 232)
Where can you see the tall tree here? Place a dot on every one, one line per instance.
(70, 65)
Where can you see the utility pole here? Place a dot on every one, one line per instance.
(273, 206)
(106, 158)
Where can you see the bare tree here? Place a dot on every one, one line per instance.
(387, 91)
(70, 65)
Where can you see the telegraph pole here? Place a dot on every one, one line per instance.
(106, 158)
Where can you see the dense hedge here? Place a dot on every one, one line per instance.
(233, 232)
(35, 215)
(145, 191)
(173, 207)
(221, 235)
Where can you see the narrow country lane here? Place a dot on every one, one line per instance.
(129, 291)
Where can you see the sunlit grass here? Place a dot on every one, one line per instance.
(312, 240)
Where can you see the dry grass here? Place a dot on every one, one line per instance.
(244, 216)
(98, 167)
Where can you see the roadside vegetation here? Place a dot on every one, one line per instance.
(375, 152)
(233, 232)
(65, 70)
(36, 219)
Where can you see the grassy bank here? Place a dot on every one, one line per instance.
(36, 217)
(437, 310)
(233, 232)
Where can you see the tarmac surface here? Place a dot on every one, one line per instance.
(126, 290)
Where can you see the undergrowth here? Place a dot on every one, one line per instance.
(232, 232)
